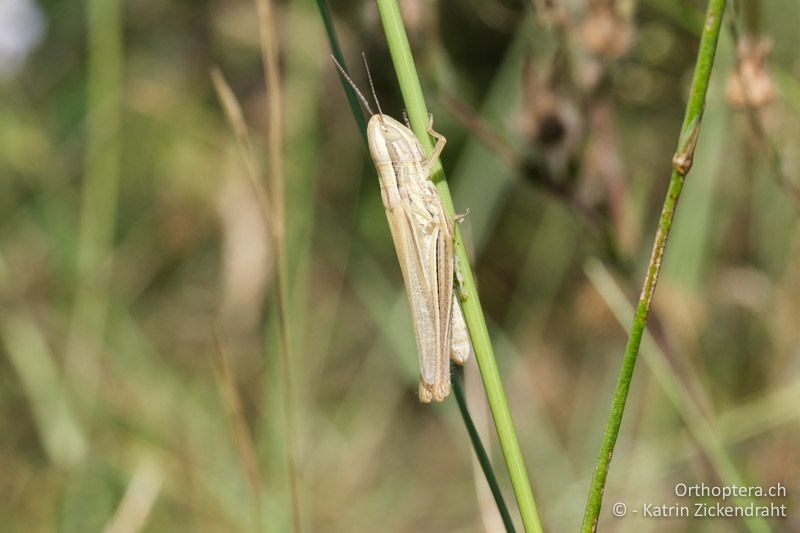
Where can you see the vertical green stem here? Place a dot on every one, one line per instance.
(99, 193)
(704, 433)
(352, 99)
(681, 163)
(476, 323)
(480, 451)
(475, 439)
(272, 76)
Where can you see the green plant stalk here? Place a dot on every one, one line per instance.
(705, 435)
(480, 451)
(681, 163)
(477, 445)
(400, 51)
(102, 163)
(336, 49)
(62, 438)
(277, 205)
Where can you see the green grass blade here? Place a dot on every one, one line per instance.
(400, 51)
(336, 49)
(63, 439)
(705, 434)
(98, 211)
(480, 451)
(682, 161)
(477, 445)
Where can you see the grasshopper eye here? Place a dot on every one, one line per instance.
(392, 135)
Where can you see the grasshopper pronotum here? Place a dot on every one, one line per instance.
(423, 238)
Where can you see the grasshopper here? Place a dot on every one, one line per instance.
(423, 239)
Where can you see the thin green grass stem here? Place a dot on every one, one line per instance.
(405, 70)
(480, 451)
(98, 211)
(681, 162)
(336, 49)
(477, 445)
(705, 435)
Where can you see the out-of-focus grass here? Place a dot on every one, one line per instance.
(99, 197)
(188, 252)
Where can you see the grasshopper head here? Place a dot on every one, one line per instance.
(390, 141)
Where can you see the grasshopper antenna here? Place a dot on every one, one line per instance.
(353, 85)
(371, 85)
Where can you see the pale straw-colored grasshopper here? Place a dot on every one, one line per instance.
(423, 239)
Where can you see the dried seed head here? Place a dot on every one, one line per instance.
(550, 120)
(550, 13)
(605, 33)
(750, 84)
(550, 129)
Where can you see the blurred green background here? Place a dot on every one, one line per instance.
(129, 232)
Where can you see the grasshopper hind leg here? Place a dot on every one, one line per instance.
(459, 337)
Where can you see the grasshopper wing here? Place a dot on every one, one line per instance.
(422, 253)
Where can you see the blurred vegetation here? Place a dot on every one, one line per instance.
(128, 232)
